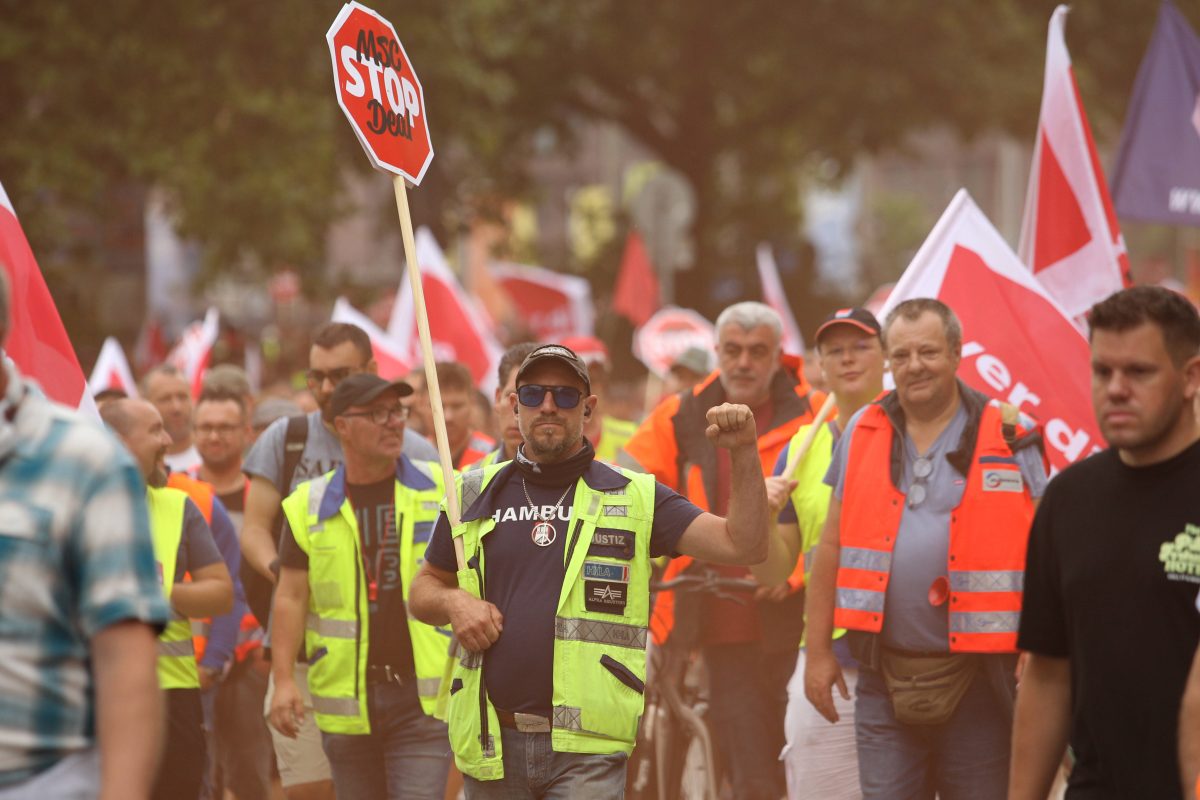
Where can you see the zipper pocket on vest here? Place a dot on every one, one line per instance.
(574, 541)
(483, 704)
(623, 673)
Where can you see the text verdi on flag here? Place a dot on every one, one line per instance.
(1019, 345)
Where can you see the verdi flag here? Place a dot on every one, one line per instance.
(1157, 175)
(1019, 345)
(1069, 234)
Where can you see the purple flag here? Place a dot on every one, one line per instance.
(1157, 174)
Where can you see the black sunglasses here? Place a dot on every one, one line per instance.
(316, 377)
(532, 394)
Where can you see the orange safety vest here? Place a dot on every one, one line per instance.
(672, 445)
(988, 529)
(201, 493)
(478, 447)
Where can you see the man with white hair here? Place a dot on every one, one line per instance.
(748, 647)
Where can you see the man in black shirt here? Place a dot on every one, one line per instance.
(561, 618)
(1113, 566)
(352, 541)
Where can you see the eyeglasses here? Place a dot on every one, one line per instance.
(219, 430)
(922, 468)
(316, 377)
(382, 416)
(532, 394)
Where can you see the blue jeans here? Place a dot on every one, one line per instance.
(533, 771)
(406, 756)
(965, 758)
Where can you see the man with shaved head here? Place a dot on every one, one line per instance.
(80, 605)
(183, 544)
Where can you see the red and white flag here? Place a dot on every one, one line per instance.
(553, 305)
(391, 358)
(1069, 235)
(460, 330)
(776, 298)
(1019, 344)
(111, 370)
(37, 341)
(193, 352)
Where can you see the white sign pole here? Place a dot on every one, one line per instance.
(431, 381)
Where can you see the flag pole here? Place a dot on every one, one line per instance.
(431, 381)
(806, 443)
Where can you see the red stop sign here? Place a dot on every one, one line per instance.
(378, 90)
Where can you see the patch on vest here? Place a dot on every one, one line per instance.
(1180, 557)
(605, 597)
(612, 543)
(1003, 480)
(599, 571)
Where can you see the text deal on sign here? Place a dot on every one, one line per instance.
(378, 90)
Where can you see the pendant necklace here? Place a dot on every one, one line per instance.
(544, 533)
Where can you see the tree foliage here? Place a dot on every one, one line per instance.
(228, 105)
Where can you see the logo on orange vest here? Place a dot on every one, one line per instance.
(1180, 557)
(1003, 480)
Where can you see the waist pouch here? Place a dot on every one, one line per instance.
(926, 690)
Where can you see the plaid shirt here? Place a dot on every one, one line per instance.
(75, 557)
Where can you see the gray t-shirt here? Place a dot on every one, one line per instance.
(922, 546)
(322, 452)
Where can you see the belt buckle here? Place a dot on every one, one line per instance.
(531, 723)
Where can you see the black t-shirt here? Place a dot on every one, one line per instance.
(524, 579)
(374, 507)
(1111, 582)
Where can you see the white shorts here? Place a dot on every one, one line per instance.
(820, 759)
(301, 760)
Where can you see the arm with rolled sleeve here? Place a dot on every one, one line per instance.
(121, 610)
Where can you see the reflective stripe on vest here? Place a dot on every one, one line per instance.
(598, 656)
(176, 652)
(987, 536)
(600, 632)
(338, 619)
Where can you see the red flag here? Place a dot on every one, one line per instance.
(1069, 235)
(636, 296)
(37, 341)
(553, 305)
(193, 351)
(1019, 345)
(390, 356)
(776, 298)
(111, 370)
(461, 331)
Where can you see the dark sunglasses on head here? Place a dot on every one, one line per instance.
(532, 394)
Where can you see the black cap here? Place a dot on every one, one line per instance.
(563, 355)
(858, 317)
(360, 389)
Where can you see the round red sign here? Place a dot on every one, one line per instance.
(379, 92)
(667, 334)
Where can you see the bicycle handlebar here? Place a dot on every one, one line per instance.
(708, 581)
